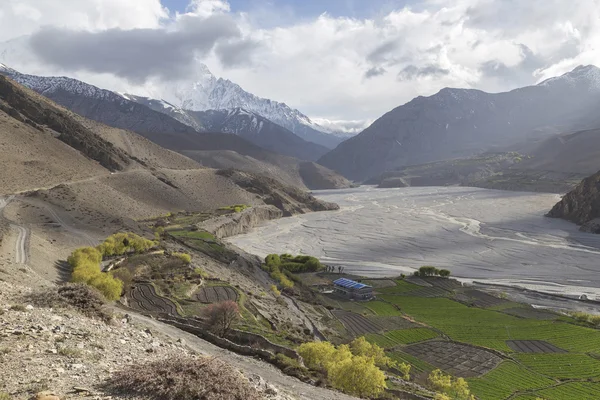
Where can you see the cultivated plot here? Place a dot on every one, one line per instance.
(484, 300)
(216, 294)
(457, 359)
(533, 346)
(530, 313)
(356, 324)
(143, 297)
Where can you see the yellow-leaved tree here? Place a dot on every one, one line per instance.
(353, 368)
(358, 376)
(449, 388)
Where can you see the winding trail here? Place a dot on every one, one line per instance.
(22, 242)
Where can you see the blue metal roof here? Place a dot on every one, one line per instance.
(347, 283)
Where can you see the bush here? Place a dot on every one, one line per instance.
(122, 243)
(352, 369)
(448, 387)
(124, 275)
(275, 291)
(182, 378)
(186, 258)
(83, 298)
(222, 316)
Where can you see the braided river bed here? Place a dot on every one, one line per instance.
(482, 235)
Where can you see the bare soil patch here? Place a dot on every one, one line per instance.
(455, 358)
(144, 297)
(484, 300)
(533, 346)
(216, 294)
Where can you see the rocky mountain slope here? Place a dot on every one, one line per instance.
(88, 166)
(211, 93)
(581, 205)
(247, 124)
(456, 123)
(113, 109)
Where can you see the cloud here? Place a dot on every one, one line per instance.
(324, 66)
(375, 71)
(412, 72)
(347, 126)
(135, 54)
(237, 53)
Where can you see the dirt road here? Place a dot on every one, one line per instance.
(22, 242)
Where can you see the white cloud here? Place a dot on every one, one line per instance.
(346, 69)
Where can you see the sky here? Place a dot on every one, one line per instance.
(342, 62)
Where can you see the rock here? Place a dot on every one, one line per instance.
(45, 395)
(78, 389)
(29, 307)
(271, 390)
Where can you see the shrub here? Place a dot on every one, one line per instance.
(357, 376)
(186, 258)
(4, 396)
(83, 298)
(86, 269)
(275, 291)
(182, 378)
(222, 316)
(448, 387)
(69, 352)
(351, 369)
(201, 273)
(18, 307)
(124, 275)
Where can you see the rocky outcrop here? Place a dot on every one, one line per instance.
(317, 177)
(242, 222)
(581, 205)
(288, 199)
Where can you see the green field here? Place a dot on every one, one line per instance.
(505, 380)
(563, 366)
(383, 309)
(401, 336)
(203, 235)
(575, 390)
(401, 287)
(491, 329)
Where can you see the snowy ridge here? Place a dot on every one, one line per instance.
(588, 75)
(50, 84)
(210, 93)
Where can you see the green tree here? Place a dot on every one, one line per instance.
(449, 388)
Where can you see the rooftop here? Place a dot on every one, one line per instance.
(347, 283)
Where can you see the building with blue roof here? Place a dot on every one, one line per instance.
(353, 290)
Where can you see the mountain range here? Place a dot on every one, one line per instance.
(457, 123)
(208, 148)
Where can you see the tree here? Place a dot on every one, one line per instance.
(444, 273)
(316, 354)
(186, 258)
(449, 388)
(223, 316)
(357, 376)
(360, 347)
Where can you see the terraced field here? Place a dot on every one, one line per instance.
(391, 323)
(484, 300)
(143, 297)
(562, 366)
(383, 309)
(455, 358)
(216, 294)
(533, 346)
(506, 379)
(417, 365)
(530, 313)
(356, 324)
(569, 391)
(402, 336)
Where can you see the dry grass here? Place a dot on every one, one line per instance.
(183, 379)
(84, 298)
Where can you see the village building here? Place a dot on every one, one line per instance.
(353, 290)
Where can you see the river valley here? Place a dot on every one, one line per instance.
(490, 236)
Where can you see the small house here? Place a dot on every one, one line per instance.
(353, 290)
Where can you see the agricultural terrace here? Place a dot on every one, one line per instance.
(504, 349)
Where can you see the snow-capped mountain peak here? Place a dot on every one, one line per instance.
(208, 92)
(585, 75)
